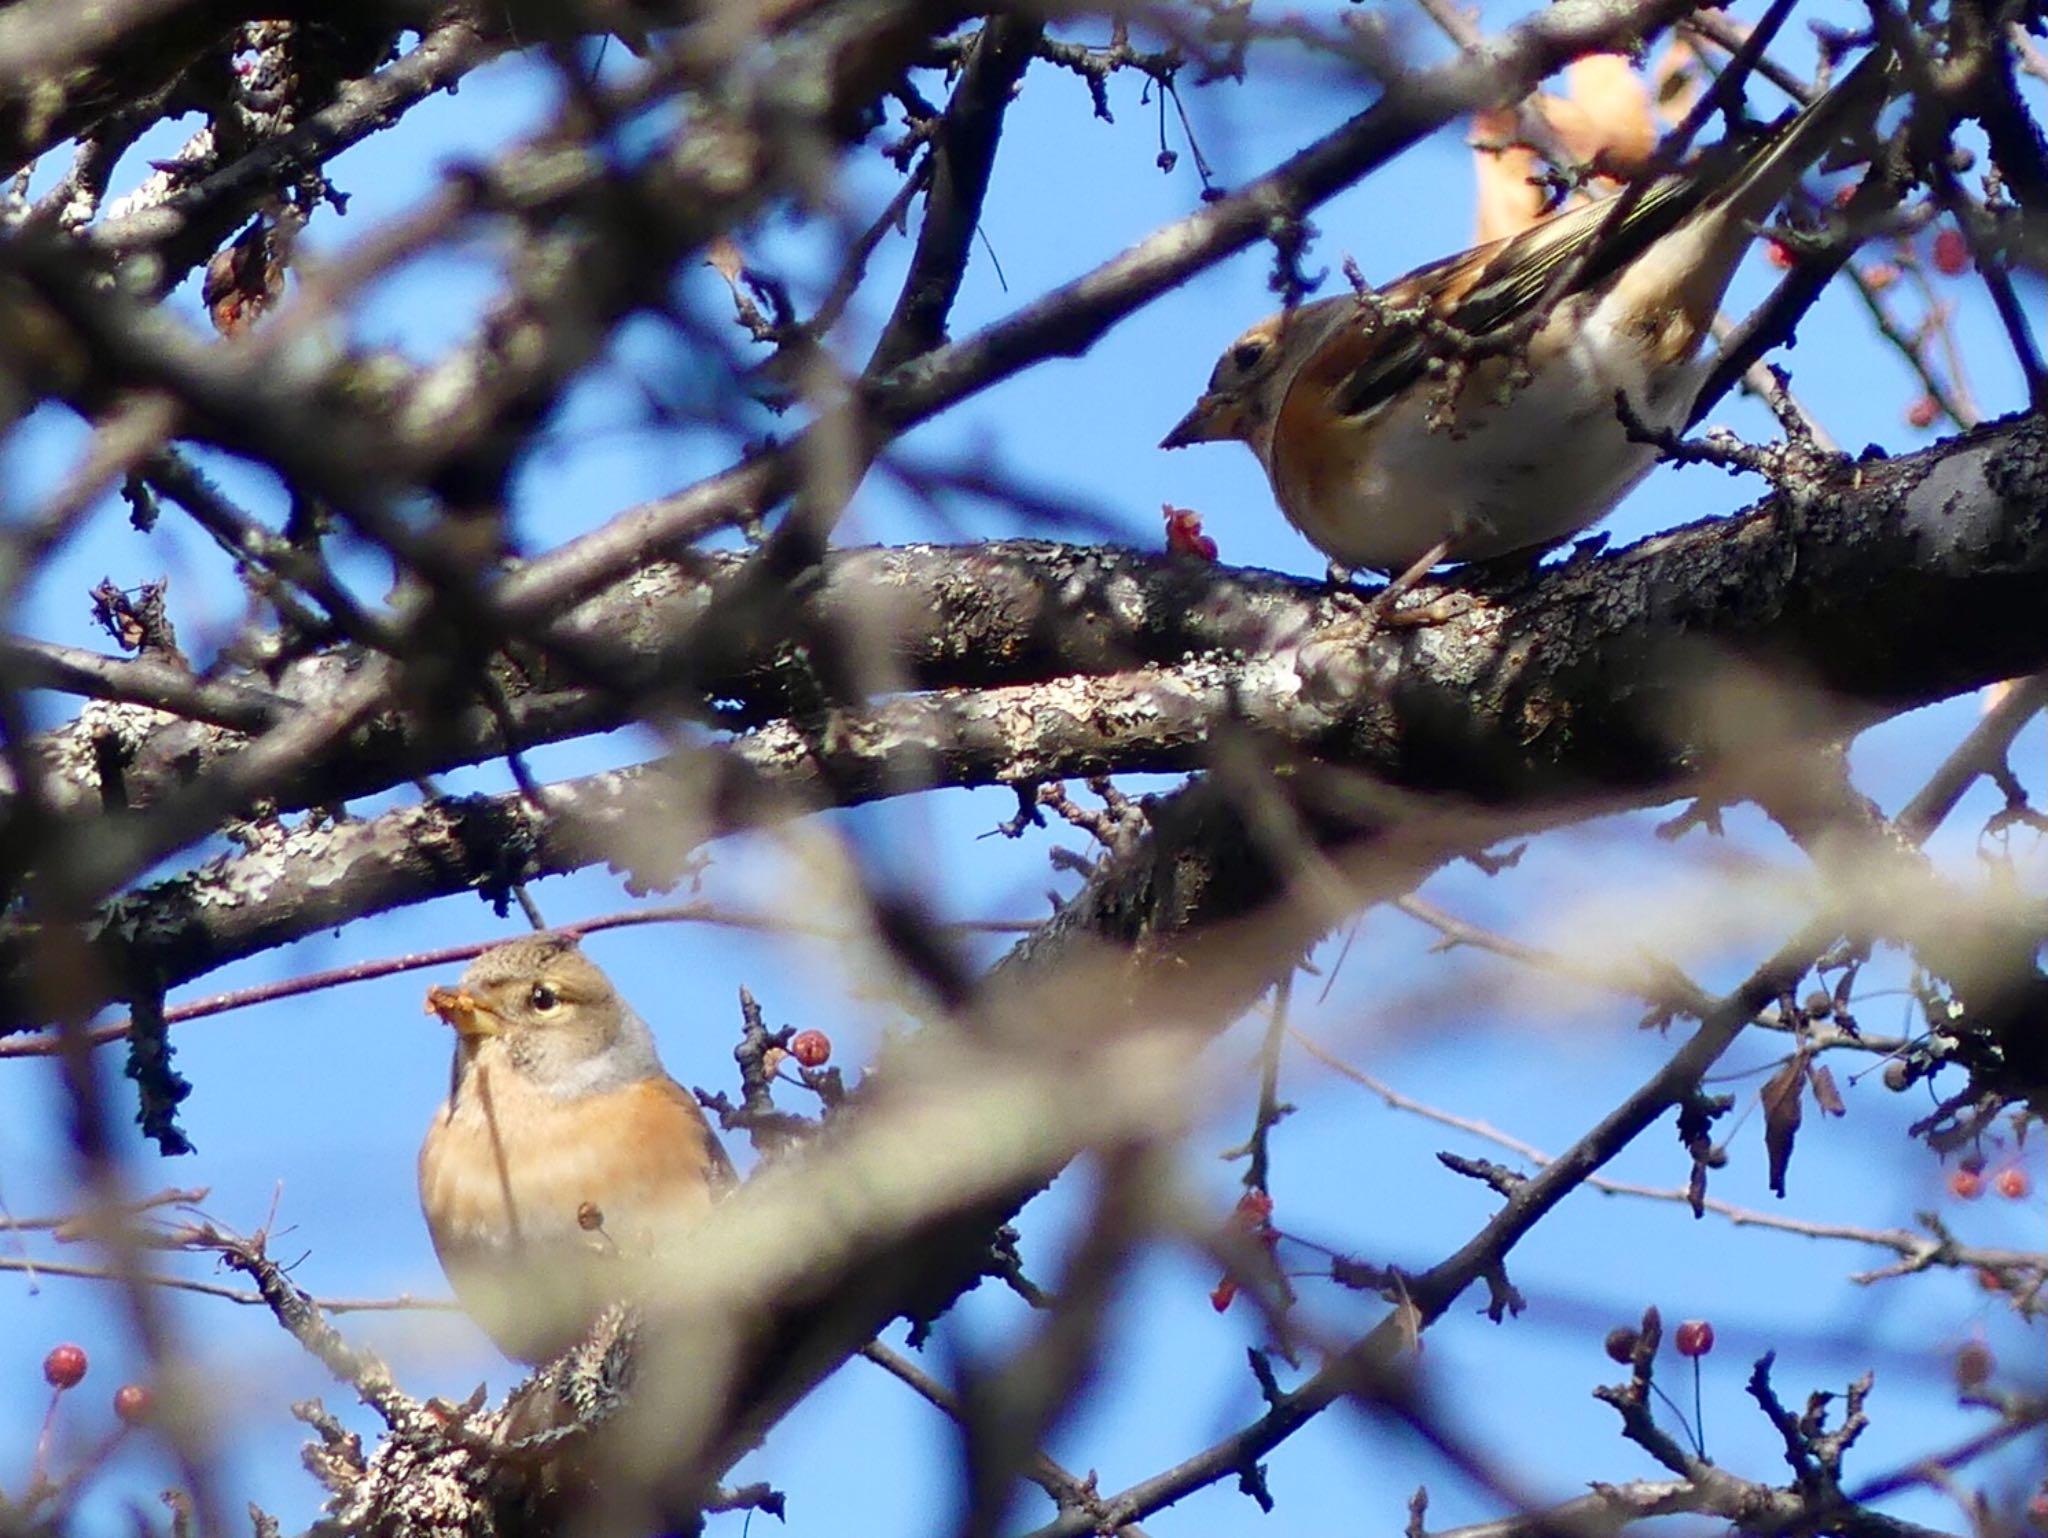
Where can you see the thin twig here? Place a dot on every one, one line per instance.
(49, 1044)
(1923, 1251)
(1069, 1491)
(403, 1303)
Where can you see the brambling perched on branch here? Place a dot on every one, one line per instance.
(1469, 410)
(565, 1160)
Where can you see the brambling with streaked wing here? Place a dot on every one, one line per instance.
(565, 1162)
(1343, 401)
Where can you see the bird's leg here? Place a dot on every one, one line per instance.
(1381, 610)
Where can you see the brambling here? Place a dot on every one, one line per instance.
(565, 1160)
(1388, 451)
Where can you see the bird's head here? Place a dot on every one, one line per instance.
(1242, 392)
(541, 1006)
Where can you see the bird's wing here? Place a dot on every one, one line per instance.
(1492, 287)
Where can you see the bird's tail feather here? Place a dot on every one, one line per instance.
(1687, 271)
(1774, 166)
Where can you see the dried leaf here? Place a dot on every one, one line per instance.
(725, 258)
(1825, 1094)
(244, 279)
(1678, 79)
(1782, 1109)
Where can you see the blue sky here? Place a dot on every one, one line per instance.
(318, 1105)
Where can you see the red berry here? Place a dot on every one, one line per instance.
(1252, 1216)
(1951, 253)
(134, 1403)
(2012, 1183)
(1621, 1344)
(2037, 1511)
(1184, 534)
(1694, 1337)
(64, 1367)
(1989, 1280)
(1778, 255)
(1221, 1298)
(1974, 1364)
(1966, 1185)
(811, 1048)
(1923, 412)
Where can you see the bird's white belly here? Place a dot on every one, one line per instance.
(1550, 461)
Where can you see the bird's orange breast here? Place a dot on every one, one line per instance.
(534, 1202)
(1316, 452)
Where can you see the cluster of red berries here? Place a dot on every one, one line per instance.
(1252, 1217)
(1967, 1182)
(64, 1368)
(1693, 1338)
(1949, 255)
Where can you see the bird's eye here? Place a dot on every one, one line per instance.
(543, 998)
(1246, 354)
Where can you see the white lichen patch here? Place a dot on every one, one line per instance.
(418, 1491)
(73, 756)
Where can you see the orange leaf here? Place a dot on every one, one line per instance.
(1507, 202)
(1604, 116)
(1603, 120)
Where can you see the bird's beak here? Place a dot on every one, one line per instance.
(1208, 421)
(458, 1007)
